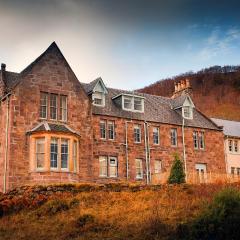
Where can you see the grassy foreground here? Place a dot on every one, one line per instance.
(112, 211)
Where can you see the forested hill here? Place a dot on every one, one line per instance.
(216, 90)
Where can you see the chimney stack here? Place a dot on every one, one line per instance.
(3, 67)
(181, 87)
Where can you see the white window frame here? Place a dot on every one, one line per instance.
(98, 95)
(189, 111)
(156, 135)
(158, 166)
(174, 135)
(63, 109)
(104, 129)
(44, 106)
(137, 127)
(201, 137)
(75, 156)
(235, 146)
(111, 130)
(230, 145)
(53, 107)
(57, 139)
(132, 99)
(110, 165)
(140, 161)
(195, 140)
(43, 141)
(68, 154)
(103, 159)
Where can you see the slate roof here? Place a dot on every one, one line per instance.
(230, 128)
(10, 79)
(156, 109)
(52, 127)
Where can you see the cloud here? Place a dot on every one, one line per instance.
(220, 42)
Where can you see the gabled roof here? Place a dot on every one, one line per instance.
(179, 101)
(157, 109)
(230, 128)
(12, 79)
(52, 127)
(89, 87)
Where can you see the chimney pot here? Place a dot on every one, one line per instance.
(187, 83)
(3, 67)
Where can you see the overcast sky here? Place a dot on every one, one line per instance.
(130, 44)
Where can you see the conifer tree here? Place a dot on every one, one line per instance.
(177, 174)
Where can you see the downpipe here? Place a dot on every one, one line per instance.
(6, 149)
(184, 148)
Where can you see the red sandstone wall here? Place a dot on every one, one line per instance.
(50, 74)
(212, 155)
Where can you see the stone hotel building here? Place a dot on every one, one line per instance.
(55, 129)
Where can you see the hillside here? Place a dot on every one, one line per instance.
(112, 211)
(216, 90)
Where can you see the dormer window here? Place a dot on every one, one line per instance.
(127, 102)
(187, 112)
(132, 103)
(98, 99)
(138, 104)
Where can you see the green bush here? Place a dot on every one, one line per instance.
(220, 220)
(177, 174)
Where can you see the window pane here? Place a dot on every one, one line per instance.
(156, 135)
(195, 139)
(230, 147)
(158, 166)
(54, 153)
(139, 169)
(174, 137)
(201, 140)
(64, 153)
(112, 167)
(137, 134)
(127, 102)
(186, 112)
(103, 129)
(236, 146)
(40, 154)
(75, 156)
(53, 106)
(98, 98)
(43, 105)
(63, 108)
(111, 131)
(103, 166)
(138, 104)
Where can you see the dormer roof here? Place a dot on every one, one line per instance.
(94, 86)
(181, 101)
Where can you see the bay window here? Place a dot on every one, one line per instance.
(52, 152)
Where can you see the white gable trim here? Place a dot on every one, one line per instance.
(102, 86)
(188, 99)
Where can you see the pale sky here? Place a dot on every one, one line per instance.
(130, 44)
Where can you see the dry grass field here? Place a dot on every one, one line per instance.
(112, 211)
